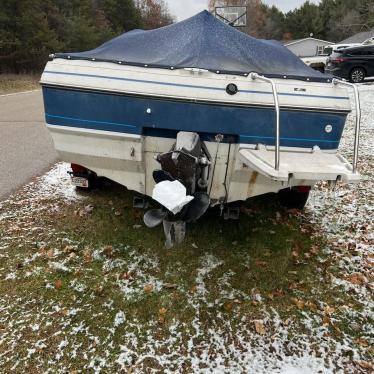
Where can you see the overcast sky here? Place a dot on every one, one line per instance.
(186, 8)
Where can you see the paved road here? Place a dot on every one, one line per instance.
(26, 149)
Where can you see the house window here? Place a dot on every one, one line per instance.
(320, 49)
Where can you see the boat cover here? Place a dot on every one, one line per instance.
(203, 42)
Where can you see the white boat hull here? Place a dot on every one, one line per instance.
(139, 109)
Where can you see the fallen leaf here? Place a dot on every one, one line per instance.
(228, 307)
(50, 253)
(295, 254)
(108, 251)
(362, 342)
(261, 263)
(169, 285)
(328, 310)
(311, 305)
(259, 326)
(87, 257)
(358, 278)
(136, 227)
(293, 286)
(193, 289)
(82, 212)
(162, 315)
(314, 249)
(299, 303)
(125, 276)
(69, 249)
(99, 290)
(148, 288)
(326, 320)
(278, 292)
(89, 208)
(194, 246)
(287, 321)
(293, 211)
(58, 284)
(162, 311)
(365, 365)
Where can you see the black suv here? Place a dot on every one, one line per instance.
(353, 63)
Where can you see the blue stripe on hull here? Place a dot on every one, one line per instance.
(128, 114)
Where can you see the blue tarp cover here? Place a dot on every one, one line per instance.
(202, 42)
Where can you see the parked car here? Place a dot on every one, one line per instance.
(319, 62)
(354, 64)
(329, 49)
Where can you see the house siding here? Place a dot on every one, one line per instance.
(307, 47)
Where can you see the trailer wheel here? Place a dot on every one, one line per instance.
(295, 197)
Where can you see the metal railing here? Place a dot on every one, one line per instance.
(255, 76)
(336, 82)
(358, 119)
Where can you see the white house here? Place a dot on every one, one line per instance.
(307, 47)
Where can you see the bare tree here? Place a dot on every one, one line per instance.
(155, 13)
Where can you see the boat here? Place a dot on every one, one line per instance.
(197, 114)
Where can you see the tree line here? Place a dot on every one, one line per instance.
(332, 20)
(32, 29)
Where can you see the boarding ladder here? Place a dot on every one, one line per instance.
(307, 166)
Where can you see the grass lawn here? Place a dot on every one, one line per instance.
(12, 83)
(87, 288)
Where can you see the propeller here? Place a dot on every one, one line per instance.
(162, 175)
(154, 217)
(197, 207)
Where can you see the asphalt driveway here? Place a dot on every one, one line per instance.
(26, 149)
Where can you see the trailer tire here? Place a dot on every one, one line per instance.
(294, 198)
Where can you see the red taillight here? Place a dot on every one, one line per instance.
(78, 168)
(338, 60)
(303, 189)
